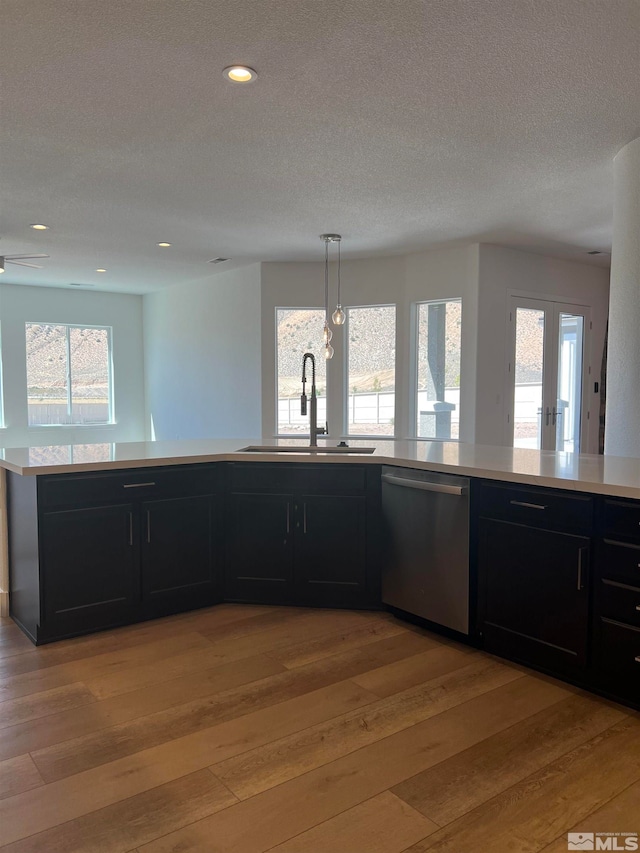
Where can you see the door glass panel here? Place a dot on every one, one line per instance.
(529, 368)
(569, 395)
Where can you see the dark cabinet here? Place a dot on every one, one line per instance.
(299, 534)
(534, 560)
(260, 548)
(89, 568)
(177, 552)
(95, 550)
(331, 548)
(616, 610)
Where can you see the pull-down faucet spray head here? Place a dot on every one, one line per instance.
(303, 396)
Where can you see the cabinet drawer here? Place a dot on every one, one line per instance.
(621, 518)
(619, 649)
(619, 561)
(545, 508)
(125, 486)
(312, 479)
(620, 602)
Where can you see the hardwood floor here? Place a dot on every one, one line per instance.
(245, 729)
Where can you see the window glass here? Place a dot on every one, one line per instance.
(68, 374)
(438, 393)
(298, 330)
(371, 391)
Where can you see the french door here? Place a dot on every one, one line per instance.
(547, 374)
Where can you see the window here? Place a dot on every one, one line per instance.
(298, 330)
(438, 369)
(68, 374)
(371, 375)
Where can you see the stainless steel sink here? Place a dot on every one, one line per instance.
(258, 448)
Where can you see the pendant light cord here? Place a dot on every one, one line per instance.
(326, 281)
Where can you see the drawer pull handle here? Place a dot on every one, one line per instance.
(130, 528)
(527, 505)
(136, 485)
(288, 517)
(148, 525)
(304, 517)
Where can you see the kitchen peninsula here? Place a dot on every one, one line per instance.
(107, 534)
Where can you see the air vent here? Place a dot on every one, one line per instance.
(595, 252)
(79, 284)
(218, 260)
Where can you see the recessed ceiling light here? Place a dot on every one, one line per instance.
(38, 226)
(164, 245)
(101, 270)
(239, 74)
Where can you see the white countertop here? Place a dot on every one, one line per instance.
(610, 475)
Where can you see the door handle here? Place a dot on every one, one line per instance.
(288, 517)
(547, 416)
(148, 525)
(580, 584)
(557, 413)
(304, 517)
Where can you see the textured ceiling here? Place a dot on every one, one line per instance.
(399, 124)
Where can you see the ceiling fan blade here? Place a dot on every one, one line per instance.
(24, 264)
(24, 257)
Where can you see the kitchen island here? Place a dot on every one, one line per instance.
(108, 534)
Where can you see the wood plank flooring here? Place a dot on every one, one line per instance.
(244, 729)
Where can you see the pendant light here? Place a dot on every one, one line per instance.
(338, 314)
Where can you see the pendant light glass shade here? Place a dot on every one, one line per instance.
(328, 352)
(338, 316)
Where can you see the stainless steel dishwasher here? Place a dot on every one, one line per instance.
(426, 553)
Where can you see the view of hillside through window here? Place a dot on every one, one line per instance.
(299, 330)
(438, 394)
(371, 395)
(68, 374)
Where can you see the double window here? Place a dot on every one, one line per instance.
(68, 374)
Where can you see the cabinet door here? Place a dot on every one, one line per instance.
(178, 570)
(330, 564)
(259, 558)
(89, 568)
(534, 596)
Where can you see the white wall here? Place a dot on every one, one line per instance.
(399, 281)
(22, 304)
(506, 270)
(202, 356)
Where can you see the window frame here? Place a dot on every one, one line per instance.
(415, 356)
(346, 435)
(110, 393)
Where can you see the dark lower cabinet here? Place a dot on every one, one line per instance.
(535, 596)
(91, 551)
(534, 575)
(89, 569)
(616, 600)
(177, 551)
(330, 549)
(259, 564)
(302, 534)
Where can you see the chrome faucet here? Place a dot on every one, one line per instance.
(314, 429)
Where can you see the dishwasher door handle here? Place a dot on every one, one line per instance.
(442, 488)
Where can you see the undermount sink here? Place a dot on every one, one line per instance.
(257, 448)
